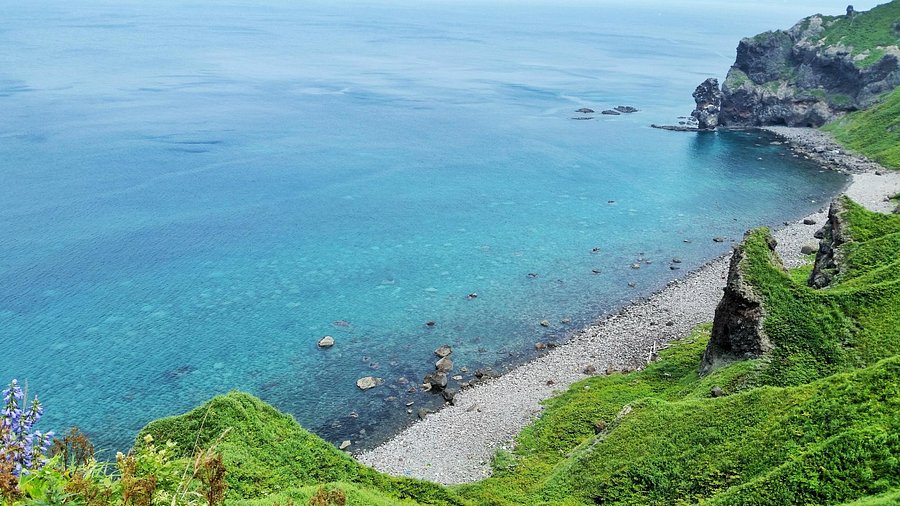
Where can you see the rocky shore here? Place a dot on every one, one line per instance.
(456, 444)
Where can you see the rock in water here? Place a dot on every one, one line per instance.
(346, 444)
(737, 332)
(584, 110)
(436, 380)
(443, 350)
(444, 365)
(709, 102)
(326, 342)
(368, 382)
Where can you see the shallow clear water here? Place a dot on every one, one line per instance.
(193, 194)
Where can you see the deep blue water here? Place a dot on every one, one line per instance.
(191, 194)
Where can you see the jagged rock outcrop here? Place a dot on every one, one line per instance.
(828, 258)
(802, 77)
(709, 102)
(737, 332)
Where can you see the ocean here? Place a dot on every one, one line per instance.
(193, 193)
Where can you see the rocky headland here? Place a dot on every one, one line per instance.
(821, 68)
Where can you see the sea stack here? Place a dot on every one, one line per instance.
(708, 97)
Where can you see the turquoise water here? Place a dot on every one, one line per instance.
(193, 194)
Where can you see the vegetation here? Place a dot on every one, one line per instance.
(865, 32)
(874, 132)
(267, 453)
(817, 421)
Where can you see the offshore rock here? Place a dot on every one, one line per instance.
(368, 382)
(828, 258)
(444, 365)
(709, 102)
(443, 350)
(737, 332)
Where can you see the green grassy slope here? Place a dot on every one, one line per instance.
(874, 132)
(760, 442)
(865, 32)
(816, 422)
(267, 453)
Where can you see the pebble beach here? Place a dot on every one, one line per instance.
(456, 444)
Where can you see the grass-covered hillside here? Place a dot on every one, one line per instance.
(874, 132)
(814, 421)
(817, 421)
(867, 34)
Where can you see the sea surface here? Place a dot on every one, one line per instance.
(193, 193)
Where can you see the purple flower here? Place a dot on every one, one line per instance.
(18, 444)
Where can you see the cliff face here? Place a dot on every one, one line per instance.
(737, 332)
(822, 67)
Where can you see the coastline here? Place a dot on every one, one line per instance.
(456, 444)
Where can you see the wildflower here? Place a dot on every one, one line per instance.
(19, 446)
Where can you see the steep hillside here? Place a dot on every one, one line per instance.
(821, 67)
(269, 458)
(812, 419)
(874, 132)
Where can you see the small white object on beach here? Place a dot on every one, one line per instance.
(326, 342)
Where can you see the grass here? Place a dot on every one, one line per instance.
(829, 436)
(268, 455)
(815, 422)
(864, 32)
(874, 132)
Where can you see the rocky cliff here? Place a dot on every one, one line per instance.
(737, 332)
(822, 67)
